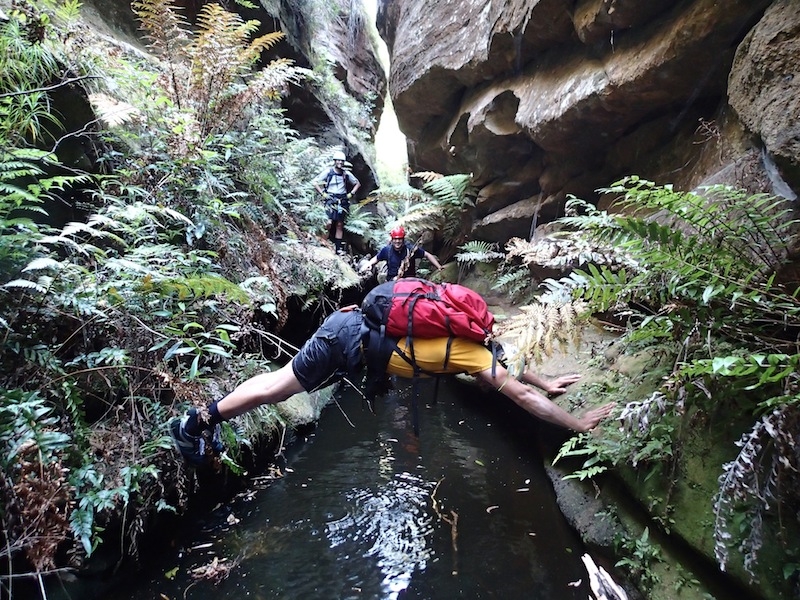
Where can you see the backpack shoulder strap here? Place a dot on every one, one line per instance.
(328, 178)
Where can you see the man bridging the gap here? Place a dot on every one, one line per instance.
(336, 351)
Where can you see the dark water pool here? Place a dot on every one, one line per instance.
(372, 511)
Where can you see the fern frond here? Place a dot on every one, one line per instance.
(426, 176)
(42, 264)
(204, 286)
(165, 28)
(513, 281)
(25, 284)
(391, 196)
(420, 217)
(253, 51)
(533, 334)
(452, 190)
(111, 111)
(477, 252)
(360, 221)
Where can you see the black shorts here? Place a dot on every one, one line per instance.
(318, 364)
(337, 207)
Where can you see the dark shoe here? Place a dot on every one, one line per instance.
(195, 449)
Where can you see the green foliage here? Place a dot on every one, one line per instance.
(94, 497)
(360, 221)
(438, 208)
(696, 280)
(513, 280)
(26, 421)
(640, 556)
(206, 68)
(577, 446)
(26, 68)
(478, 252)
(111, 324)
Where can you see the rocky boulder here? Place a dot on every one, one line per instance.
(543, 99)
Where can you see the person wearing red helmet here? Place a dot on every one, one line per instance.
(400, 256)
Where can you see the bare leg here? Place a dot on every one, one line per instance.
(266, 388)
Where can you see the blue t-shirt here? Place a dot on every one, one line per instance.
(394, 257)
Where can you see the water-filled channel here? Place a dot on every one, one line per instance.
(464, 510)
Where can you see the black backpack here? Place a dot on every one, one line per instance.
(348, 186)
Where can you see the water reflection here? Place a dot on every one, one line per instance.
(462, 511)
(395, 525)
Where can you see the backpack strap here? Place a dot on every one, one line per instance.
(347, 184)
(495, 349)
(418, 372)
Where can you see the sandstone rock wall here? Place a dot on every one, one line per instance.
(541, 99)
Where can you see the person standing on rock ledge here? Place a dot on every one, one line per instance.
(338, 350)
(337, 187)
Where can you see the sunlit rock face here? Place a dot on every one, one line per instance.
(543, 99)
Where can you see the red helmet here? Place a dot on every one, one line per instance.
(397, 232)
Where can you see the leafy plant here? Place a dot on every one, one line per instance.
(112, 323)
(640, 556)
(32, 477)
(697, 279)
(532, 334)
(477, 252)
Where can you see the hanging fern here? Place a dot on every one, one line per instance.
(478, 252)
(533, 334)
(762, 476)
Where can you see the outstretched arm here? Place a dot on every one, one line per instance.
(541, 407)
(369, 264)
(433, 260)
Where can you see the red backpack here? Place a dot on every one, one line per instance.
(412, 307)
(416, 308)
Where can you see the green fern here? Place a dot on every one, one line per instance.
(453, 190)
(514, 281)
(204, 286)
(438, 209)
(701, 284)
(694, 255)
(478, 252)
(360, 221)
